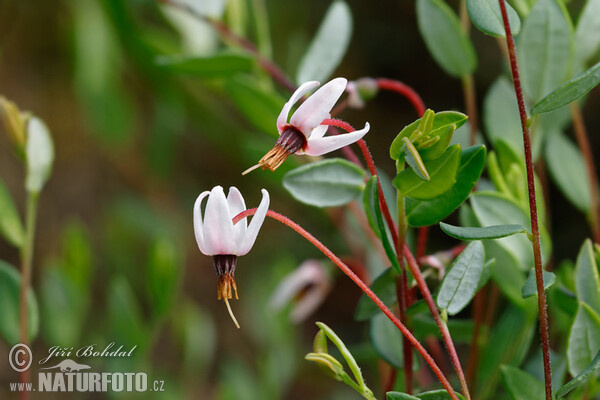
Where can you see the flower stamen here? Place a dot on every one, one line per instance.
(289, 142)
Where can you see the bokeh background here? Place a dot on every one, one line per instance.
(115, 256)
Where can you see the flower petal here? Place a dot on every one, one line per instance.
(236, 206)
(317, 107)
(219, 237)
(252, 232)
(198, 226)
(319, 132)
(320, 146)
(282, 119)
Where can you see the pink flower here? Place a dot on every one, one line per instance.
(217, 236)
(304, 134)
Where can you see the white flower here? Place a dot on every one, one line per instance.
(217, 236)
(304, 134)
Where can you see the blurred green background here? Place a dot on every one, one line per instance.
(136, 142)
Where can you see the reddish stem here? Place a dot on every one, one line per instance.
(422, 241)
(405, 90)
(363, 286)
(535, 232)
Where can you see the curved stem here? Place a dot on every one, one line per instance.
(363, 286)
(405, 90)
(535, 232)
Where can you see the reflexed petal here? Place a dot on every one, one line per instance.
(282, 120)
(317, 147)
(317, 107)
(319, 132)
(236, 206)
(252, 232)
(198, 226)
(219, 236)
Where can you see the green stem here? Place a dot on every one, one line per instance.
(470, 106)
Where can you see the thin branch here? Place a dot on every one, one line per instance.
(535, 232)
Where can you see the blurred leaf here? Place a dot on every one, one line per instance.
(568, 171)
(569, 91)
(384, 286)
(10, 222)
(197, 36)
(40, 155)
(437, 395)
(64, 306)
(327, 183)
(511, 336)
(487, 17)
(544, 48)
(587, 32)
(440, 124)
(207, 8)
(237, 381)
(430, 212)
(328, 46)
(125, 317)
(423, 325)
(10, 288)
(219, 65)
(163, 276)
(521, 385)
(399, 396)
(77, 254)
(530, 287)
(501, 114)
(587, 281)
(584, 339)
(168, 127)
(462, 279)
(387, 340)
(582, 377)
(259, 106)
(449, 45)
(375, 218)
(442, 171)
(488, 232)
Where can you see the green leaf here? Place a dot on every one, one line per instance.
(437, 395)
(162, 276)
(488, 232)
(521, 385)
(327, 183)
(375, 218)
(329, 45)
(449, 45)
(544, 48)
(530, 287)
(259, 106)
(501, 114)
(214, 66)
(568, 171)
(442, 121)
(436, 149)
(569, 91)
(10, 222)
(399, 396)
(587, 32)
(387, 340)
(461, 281)
(384, 286)
(587, 282)
(10, 288)
(582, 377)
(487, 17)
(40, 155)
(442, 172)
(584, 339)
(414, 161)
(125, 316)
(430, 212)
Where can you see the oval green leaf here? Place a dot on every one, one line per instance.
(501, 114)
(40, 155)
(437, 395)
(215, 66)
(544, 48)
(488, 232)
(461, 281)
(584, 339)
(399, 396)
(329, 45)
(327, 183)
(10, 288)
(449, 45)
(587, 32)
(569, 91)
(521, 385)
(487, 17)
(384, 286)
(387, 340)
(581, 378)
(430, 212)
(530, 287)
(10, 223)
(442, 172)
(587, 282)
